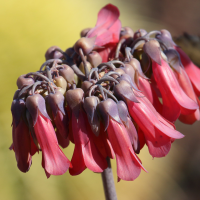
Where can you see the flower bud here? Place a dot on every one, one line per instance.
(86, 86)
(60, 82)
(35, 104)
(74, 99)
(139, 33)
(107, 109)
(94, 58)
(67, 73)
(152, 49)
(166, 38)
(90, 104)
(86, 44)
(124, 91)
(51, 53)
(84, 32)
(88, 65)
(56, 102)
(126, 32)
(22, 81)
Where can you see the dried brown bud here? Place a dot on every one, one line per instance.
(67, 73)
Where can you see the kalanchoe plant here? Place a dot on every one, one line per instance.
(110, 94)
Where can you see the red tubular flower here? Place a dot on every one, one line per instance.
(85, 153)
(191, 69)
(106, 30)
(21, 137)
(175, 101)
(186, 85)
(22, 145)
(150, 93)
(54, 160)
(128, 164)
(157, 131)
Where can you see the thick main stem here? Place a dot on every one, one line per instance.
(108, 182)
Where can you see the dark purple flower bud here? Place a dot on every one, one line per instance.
(16, 94)
(86, 44)
(36, 104)
(152, 49)
(107, 109)
(174, 60)
(94, 58)
(18, 109)
(90, 104)
(86, 86)
(166, 38)
(128, 69)
(139, 33)
(123, 111)
(84, 32)
(67, 73)
(136, 65)
(56, 103)
(70, 51)
(74, 99)
(126, 32)
(51, 53)
(124, 90)
(22, 81)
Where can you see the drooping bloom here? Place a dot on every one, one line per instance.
(191, 69)
(128, 164)
(53, 159)
(157, 131)
(106, 31)
(21, 136)
(175, 101)
(86, 154)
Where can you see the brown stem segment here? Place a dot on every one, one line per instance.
(108, 182)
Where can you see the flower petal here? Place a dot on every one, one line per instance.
(192, 70)
(22, 145)
(56, 163)
(172, 94)
(128, 164)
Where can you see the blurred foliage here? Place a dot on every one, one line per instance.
(27, 29)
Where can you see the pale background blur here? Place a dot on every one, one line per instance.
(27, 29)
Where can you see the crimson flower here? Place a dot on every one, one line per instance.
(106, 31)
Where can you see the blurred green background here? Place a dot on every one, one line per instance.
(27, 29)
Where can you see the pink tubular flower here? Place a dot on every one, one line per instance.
(106, 30)
(186, 85)
(86, 154)
(53, 159)
(192, 70)
(175, 101)
(157, 131)
(128, 164)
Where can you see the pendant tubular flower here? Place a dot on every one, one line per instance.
(56, 103)
(21, 136)
(191, 69)
(85, 153)
(157, 131)
(128, 164)
(175, 101)
(184, 82)
(54, 161)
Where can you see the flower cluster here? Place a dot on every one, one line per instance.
(110, 94)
